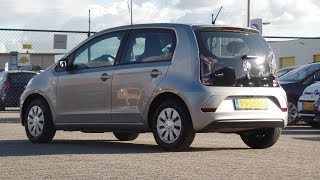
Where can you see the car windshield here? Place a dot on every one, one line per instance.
(300, 73)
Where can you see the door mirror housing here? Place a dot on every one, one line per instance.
(63, 65)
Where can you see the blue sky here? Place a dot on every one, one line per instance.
(287, 17)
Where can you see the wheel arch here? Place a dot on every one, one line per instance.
(27, 102)
(161, 98)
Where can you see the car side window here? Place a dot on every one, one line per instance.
(149, 45)
(99, 52)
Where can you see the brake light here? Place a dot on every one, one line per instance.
(284, 109)
(206, 70)
(6, 86)
(208, 109)
(232, 29)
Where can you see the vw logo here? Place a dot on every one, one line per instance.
(246, 66)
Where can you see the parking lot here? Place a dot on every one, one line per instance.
(75, 155)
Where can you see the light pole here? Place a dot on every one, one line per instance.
(248, 14)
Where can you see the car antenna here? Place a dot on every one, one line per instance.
(214, 20)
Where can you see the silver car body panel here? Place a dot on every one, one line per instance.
(131, 90)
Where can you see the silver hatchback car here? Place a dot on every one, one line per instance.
(173, 80)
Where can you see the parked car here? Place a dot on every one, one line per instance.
(12, 84)
(306, 103)
(173, 80)
(285, 70)
(294, 83)
(316, 121)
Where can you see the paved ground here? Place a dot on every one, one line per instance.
(75, 155)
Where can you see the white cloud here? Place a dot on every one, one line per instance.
(73, 15)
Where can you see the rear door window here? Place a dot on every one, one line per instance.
(149, 45)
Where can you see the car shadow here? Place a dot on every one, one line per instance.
(26, 148)
(300, 130)
(308, 138)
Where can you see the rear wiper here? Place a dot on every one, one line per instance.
(249, 57)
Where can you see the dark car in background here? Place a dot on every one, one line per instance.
(12, 84)
(294, 83)
(285, 70)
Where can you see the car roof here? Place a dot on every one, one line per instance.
(173, 25)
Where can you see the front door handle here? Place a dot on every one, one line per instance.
(155, 73)
(105, 77)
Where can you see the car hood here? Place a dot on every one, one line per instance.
(313, 87)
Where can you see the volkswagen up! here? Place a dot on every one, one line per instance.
(173, 80)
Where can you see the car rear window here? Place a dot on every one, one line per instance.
(20, 78)
(235, 59)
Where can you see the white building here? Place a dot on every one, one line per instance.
(296, 52)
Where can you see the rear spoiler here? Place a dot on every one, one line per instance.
(230, 29)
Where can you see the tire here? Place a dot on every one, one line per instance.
(125, 136)
(261, 138)
(38, 122)
(292, 114)
(172, 126)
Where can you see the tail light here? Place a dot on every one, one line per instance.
(6, 86)
(206, 70)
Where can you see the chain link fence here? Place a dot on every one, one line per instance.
(40, 49)
(31, 51)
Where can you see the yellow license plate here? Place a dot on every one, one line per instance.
(251, 104)
(307, 106)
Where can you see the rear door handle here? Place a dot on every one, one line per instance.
(155, 73)
(105, 77)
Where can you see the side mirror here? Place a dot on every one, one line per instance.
(62, 65)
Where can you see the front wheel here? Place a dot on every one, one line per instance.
(125, 136)
(261, 138)
(38, 122)
(172, 126)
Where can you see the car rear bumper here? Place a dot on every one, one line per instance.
(242, 125)
(223, 111)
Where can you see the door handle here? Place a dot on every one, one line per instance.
(105, 77)
(155, 73)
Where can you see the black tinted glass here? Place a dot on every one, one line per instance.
(244, 57)
(149, 45)
(20, 78)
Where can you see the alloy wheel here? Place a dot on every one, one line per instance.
(292, 112)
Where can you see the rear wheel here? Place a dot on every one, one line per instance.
(292, 113)
(172, 126)
(38, 122)
(261, 138)
(125, 136)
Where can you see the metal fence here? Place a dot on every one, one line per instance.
(39, 45)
